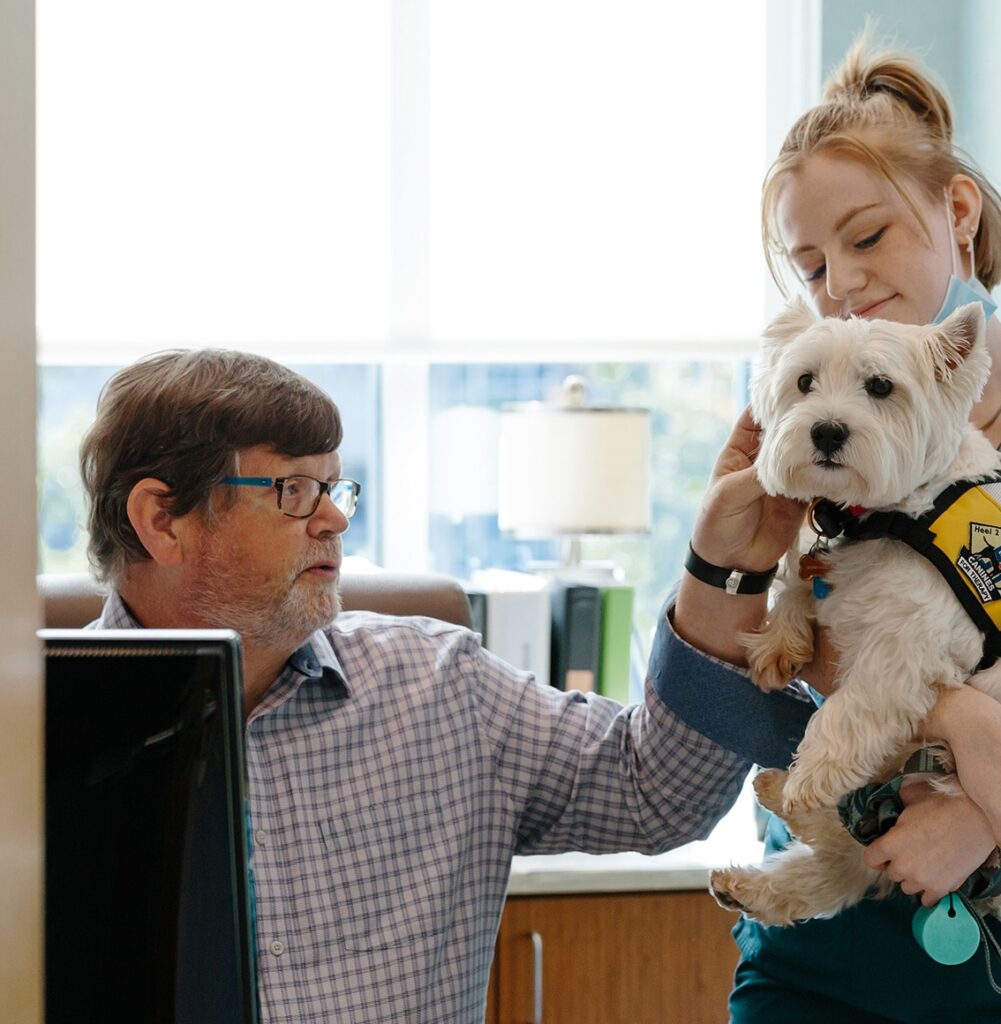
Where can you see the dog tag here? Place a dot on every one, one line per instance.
(947, 932)
(811, 566)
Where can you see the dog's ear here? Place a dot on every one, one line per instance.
(950, 342)
(789, 324)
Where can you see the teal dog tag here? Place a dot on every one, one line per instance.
(947, 932)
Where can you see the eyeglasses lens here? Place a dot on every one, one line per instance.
(300, 496)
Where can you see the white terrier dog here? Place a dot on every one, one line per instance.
(874, 415)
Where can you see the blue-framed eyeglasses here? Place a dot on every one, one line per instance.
(299, 496)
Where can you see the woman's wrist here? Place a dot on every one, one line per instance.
(970, 722)
(957, 712)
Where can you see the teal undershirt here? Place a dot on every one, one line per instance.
(861, 967)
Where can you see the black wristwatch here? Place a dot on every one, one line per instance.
(733, 581)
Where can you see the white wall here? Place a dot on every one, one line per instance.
(958, 41)
(20, 671)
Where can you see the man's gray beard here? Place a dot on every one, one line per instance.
(218, 600)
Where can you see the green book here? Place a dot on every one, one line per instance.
(616, 634)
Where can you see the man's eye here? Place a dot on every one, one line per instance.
(805, 383)
(879, 387)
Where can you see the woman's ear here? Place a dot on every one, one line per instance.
(967, 202)
(154, 524)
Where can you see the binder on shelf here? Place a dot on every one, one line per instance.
(510, 611)
(576, 639)
(616, 638)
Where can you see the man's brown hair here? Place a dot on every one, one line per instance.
(180, 417)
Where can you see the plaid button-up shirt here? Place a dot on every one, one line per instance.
(394, 768)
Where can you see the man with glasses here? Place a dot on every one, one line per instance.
(394, 766)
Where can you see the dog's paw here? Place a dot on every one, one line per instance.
(726, 887)
(768, 786)
(747, 891)
(773, 663)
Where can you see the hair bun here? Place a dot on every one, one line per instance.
(868, 74)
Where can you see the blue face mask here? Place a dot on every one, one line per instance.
(960, 292)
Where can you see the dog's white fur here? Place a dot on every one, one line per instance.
(898, 630)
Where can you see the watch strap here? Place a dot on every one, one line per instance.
(733, 581)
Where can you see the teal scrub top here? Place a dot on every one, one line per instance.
(861, 967)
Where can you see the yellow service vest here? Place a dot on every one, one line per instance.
(961, 536)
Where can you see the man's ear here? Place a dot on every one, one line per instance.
(153, 523)
(950, 342)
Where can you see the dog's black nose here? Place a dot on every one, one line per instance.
(828, 437)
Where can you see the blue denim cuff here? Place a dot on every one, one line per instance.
(722, 703)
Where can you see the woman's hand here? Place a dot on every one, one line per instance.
(970, 722)
(739, 526)
(936, 844)
(939, 840)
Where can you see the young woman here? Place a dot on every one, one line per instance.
(873, 210)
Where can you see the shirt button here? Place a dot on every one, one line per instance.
(277, 947)
(261, 837)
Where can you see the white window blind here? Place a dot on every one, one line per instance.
(251, 174)
(595, 173)
(212, 172)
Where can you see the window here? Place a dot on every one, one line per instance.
(423, 204)
(595, 170)
(694, 404)
(212, 172)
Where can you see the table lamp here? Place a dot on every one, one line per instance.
(568, 469)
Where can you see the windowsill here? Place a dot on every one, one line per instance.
(733, 841)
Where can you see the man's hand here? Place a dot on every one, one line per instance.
(739, 527)
(936, 844)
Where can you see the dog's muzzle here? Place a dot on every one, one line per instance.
(828, 437)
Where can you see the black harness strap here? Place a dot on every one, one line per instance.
(915, 533)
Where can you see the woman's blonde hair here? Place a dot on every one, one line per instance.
(882, 108)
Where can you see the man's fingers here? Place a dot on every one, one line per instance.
(743, 488)
(746, 435)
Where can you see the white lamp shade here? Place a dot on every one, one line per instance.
(573, 470)
(464, 467)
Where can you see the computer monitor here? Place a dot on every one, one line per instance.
(148, 914)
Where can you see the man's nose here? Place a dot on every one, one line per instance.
(328, 518)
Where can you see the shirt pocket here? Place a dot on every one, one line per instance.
(389, 872)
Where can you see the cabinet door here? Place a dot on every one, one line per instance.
(625, 958)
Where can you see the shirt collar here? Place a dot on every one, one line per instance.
(314, 660)
(115, 615)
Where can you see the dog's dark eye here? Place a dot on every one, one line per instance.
(805, 382)
(879, 387)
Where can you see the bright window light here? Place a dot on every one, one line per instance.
(212, 172)
(595, 171)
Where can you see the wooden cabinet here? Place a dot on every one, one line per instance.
(623, 958)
